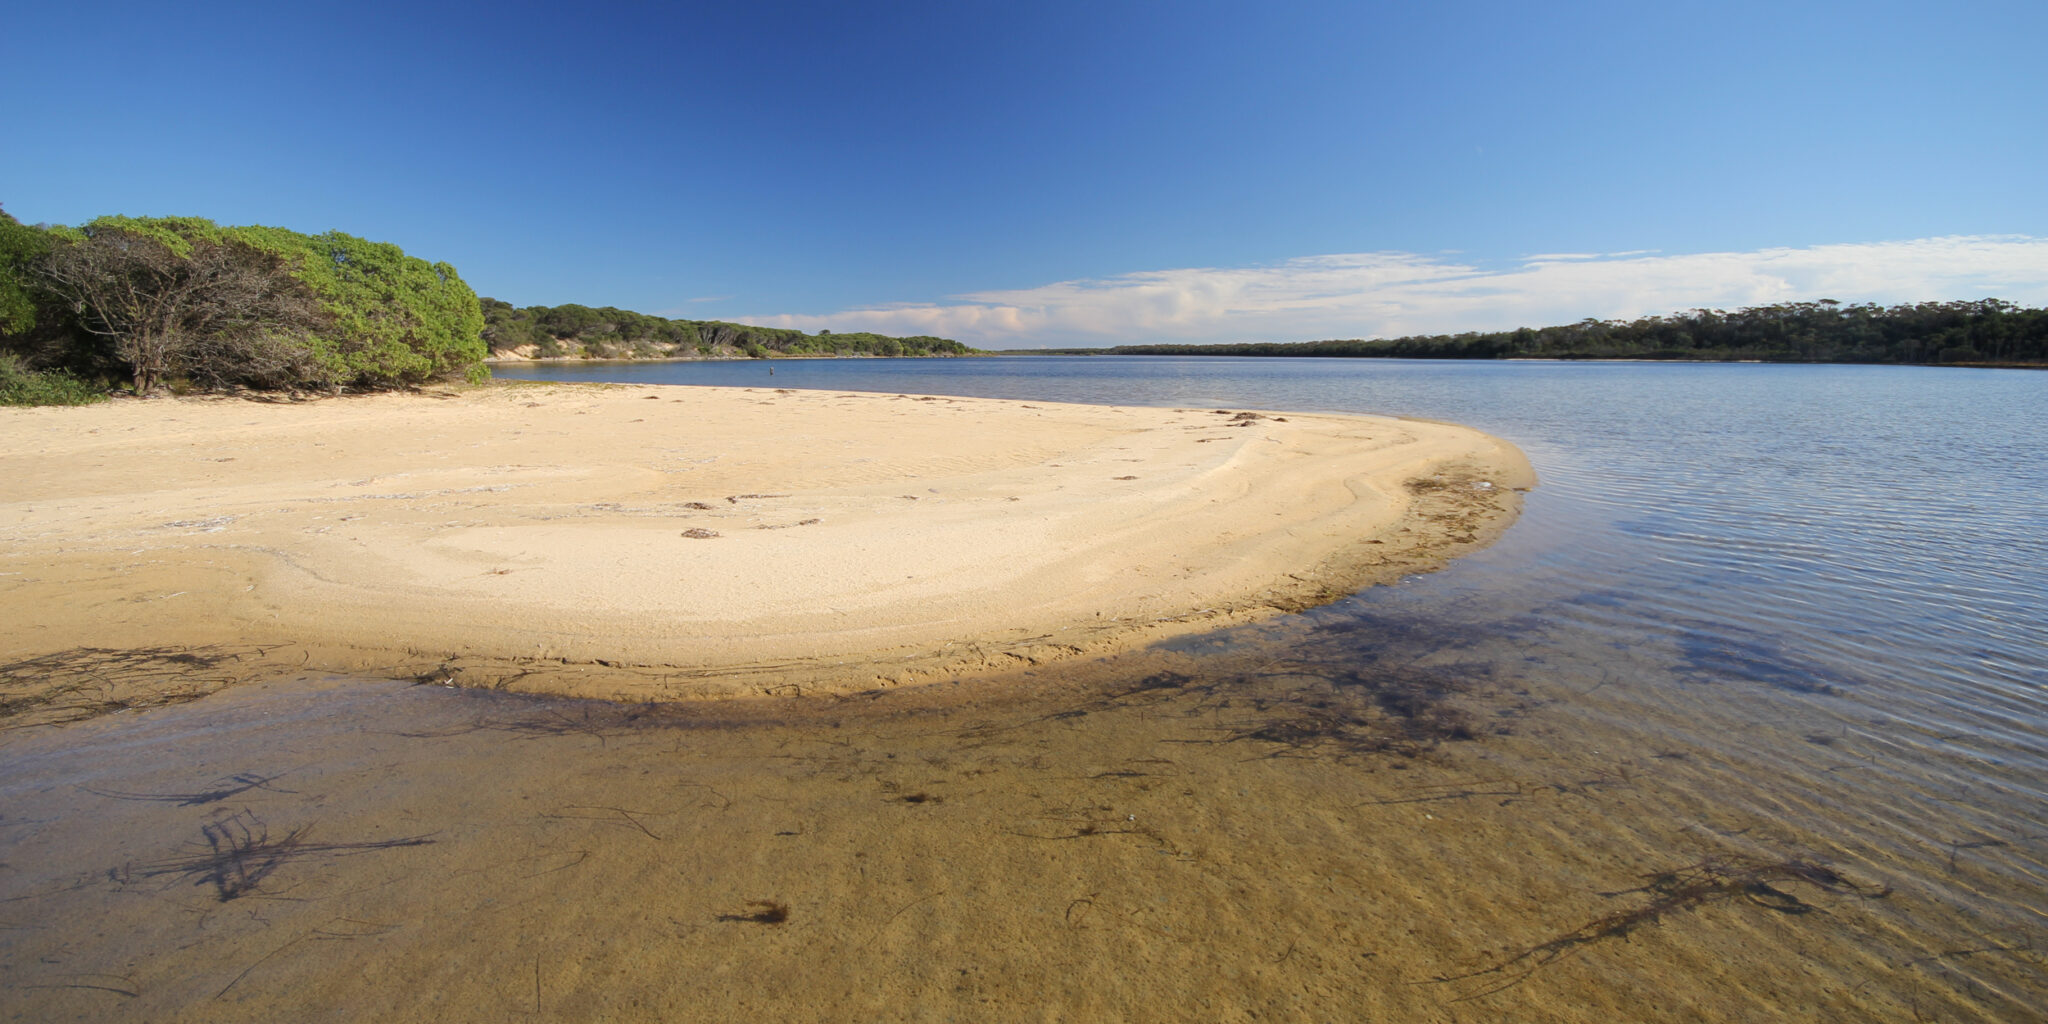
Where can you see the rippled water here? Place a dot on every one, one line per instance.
(1742, 720)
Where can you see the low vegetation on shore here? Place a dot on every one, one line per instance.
(1988, 332)
(22, 386)
(581, 332)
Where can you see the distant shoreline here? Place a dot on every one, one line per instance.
(512, 360)
(1104, 352)
(1988, 333)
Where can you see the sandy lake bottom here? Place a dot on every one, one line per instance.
(1221, 830)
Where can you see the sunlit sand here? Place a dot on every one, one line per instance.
(661, 543)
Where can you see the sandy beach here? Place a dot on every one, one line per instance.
(682, 542)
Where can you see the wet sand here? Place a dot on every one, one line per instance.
(664, 543)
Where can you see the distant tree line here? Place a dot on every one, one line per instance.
(161, 301)
(1987, 332)
(583, 332)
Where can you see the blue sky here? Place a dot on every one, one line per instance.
(1056, 173)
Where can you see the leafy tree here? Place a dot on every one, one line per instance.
(394, 319)
(261, 306)
(179, 306)
(21, 248)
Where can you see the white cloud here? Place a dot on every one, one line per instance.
(1388, 294)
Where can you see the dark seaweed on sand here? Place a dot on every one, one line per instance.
(760, 912)
(1745, 880)
(87, 682)
(225, 788)
(239, 854)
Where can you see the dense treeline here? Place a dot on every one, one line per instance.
(158, 301)
(183, 302)
(582, 332)
(1985, 332)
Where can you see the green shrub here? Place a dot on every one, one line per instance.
(265, 307)
(22, 386)
(21, 247)
(397, 319)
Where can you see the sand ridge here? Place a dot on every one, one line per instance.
(674, 542)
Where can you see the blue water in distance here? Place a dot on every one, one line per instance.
(1862, 543)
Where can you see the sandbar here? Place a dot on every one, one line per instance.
(666, 542)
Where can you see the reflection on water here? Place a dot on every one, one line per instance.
(1741, 721)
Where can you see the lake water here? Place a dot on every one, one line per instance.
(1744, 719)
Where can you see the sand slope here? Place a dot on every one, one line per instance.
(671, 542)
